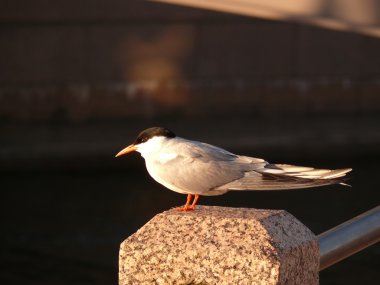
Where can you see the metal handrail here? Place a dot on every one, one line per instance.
(348, 238)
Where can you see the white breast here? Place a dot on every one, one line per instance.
(166, 157)
(158, 172)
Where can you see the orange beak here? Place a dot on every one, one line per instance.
(126, 150)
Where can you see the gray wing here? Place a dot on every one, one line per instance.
(200, 168)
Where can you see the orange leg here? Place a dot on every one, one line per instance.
(187, 207)
(194, 201)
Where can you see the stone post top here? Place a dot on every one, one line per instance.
(276, 226)
(219, 245)
(225, 212)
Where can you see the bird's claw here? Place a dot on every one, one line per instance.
(184, 209)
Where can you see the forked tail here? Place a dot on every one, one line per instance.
(284, 176)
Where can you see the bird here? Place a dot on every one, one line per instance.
(199, 169)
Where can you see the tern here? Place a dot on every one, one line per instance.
(196, 168)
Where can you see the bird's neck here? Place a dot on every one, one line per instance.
(151, 147)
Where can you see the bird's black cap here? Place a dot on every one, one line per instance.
(147, 134)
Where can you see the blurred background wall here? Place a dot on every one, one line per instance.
(79, 80)
(66, 63)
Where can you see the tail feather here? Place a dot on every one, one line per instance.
(283, 176)
(304, 172)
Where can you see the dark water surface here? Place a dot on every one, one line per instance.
(66, 227)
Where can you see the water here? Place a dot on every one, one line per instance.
(65, 227)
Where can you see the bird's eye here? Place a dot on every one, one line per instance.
(142, 140)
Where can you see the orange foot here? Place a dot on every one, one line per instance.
(184, 209)
(187, 208)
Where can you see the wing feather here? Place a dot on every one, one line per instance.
(283, 176)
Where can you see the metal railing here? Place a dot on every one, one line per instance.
(348, 238)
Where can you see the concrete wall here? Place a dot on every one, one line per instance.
(121, 59)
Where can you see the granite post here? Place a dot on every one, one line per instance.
(217, 245)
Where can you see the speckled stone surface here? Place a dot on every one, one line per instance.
(217, 245)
